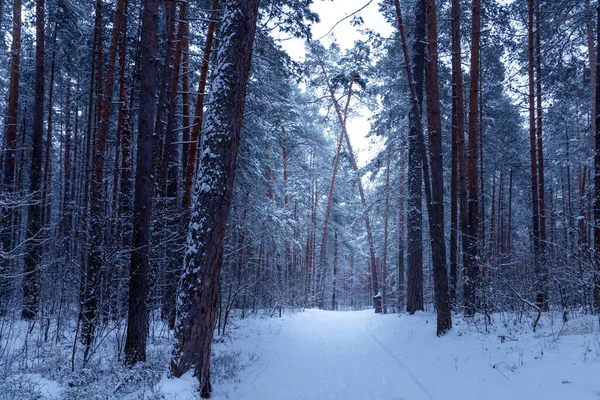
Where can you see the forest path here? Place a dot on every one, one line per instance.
(356, 355)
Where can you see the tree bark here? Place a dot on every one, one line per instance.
(535, 230)
(542, 300)
(137, 316)
(384, 269)
(190, 168)
(45, 212)
(414, 228)
(33, 256)
(97, 198)
(373, 258)
(597, 180)
(213, 193)
(471, 268)
(436, 221)
(323, 251)
(13, 98)
(436, 209)
(458, 201)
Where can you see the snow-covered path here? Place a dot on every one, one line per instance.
(321, 355)
(330, 358)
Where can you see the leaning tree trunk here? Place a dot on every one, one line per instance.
(190, 167)
(323, 251)
(137, 316)
(361, 192)
(33, 256)
(213, 192)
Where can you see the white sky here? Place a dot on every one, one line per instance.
(330, 12)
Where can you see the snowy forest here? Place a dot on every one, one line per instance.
(222, 198)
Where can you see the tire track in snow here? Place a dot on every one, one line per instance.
(400, 364)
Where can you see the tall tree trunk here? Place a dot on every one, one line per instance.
(459, 182)
(541, 296)
(123, 112)
(401, 235)
(436, 208)
(323, 251)
(8, 180)
(436, 218)
(414, 228)
(533, 146)
(597, 179)
(97, 198)
(171, 157)
(190, 168)
(593, 74)
(161, 142)
(384, 269)
(183, 37)
(335, 265)
(373, 258)
(33, 256)
(67, 179)
(13, 99)
(137, 316)
(45, 213)
(213, 193)
(471, 247)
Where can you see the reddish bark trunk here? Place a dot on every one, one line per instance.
(213, 193)
(190, 168)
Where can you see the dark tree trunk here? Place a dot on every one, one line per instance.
(597, 180)
(384, 269)
(436, 208)
(161, 142)
(213, 193)
(98, 198)
(13, 99)
(33, 256)
(533, 144)
(414, 228)
(459, 191)
(45, 212)
(401, 235)
(435, 211)
(471, 267)
(8, 180)
(541, 297)
(137, 316)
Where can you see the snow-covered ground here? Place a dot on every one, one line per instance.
(359, 355)
(320, 355)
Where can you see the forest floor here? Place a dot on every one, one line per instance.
(322, 355)
(319, 355)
